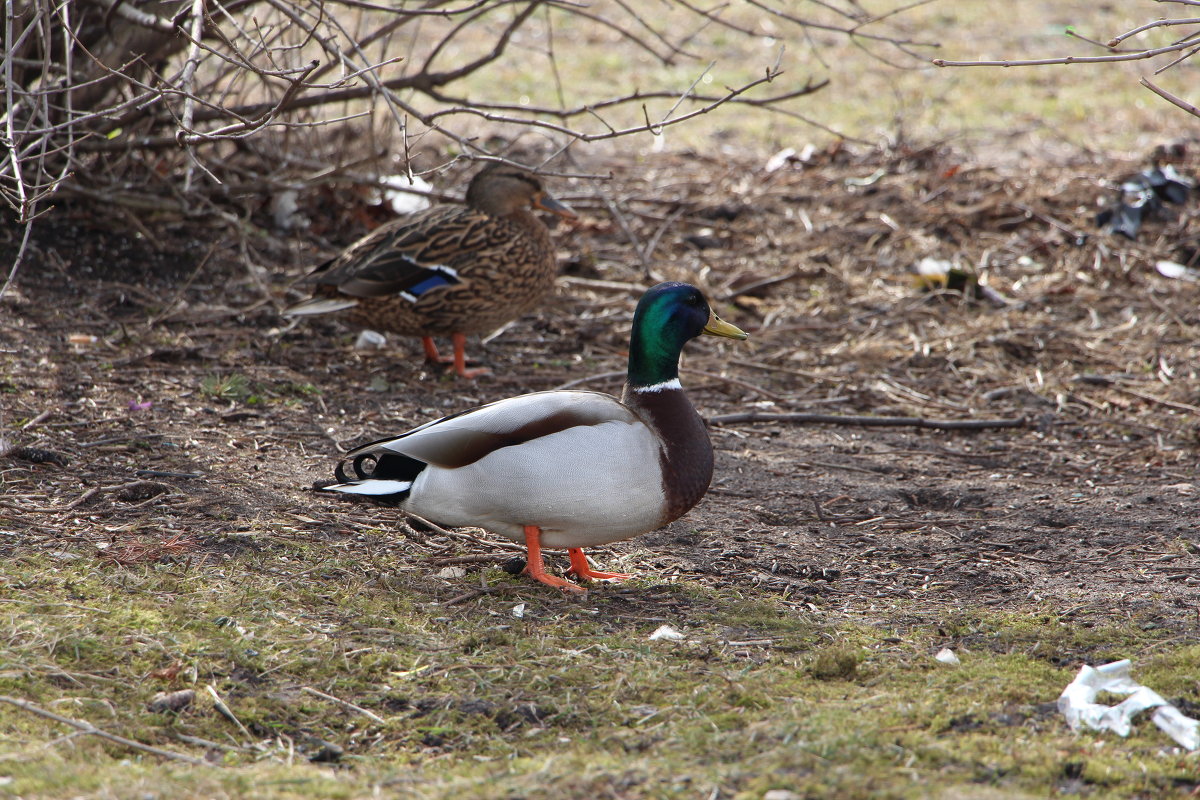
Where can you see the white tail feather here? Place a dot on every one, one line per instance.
(319, 305)
(371, 487)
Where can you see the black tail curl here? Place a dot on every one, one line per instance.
(380, 465)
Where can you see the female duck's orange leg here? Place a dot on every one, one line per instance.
(534, 567)
(431, 353)
(579, 566)
(460, 357)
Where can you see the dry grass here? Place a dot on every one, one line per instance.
(175, 545)
(813, 585)
(1003, 114)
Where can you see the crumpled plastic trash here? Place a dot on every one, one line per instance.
(948, 656)
(370, 340)
(406, 194)
(1142, 196)
(666, 632)
(1078, 704)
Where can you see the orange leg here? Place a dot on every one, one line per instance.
(460, 355)
(580, 567)
(431, 353)
(534, 567)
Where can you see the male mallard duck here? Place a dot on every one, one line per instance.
(448, 271)
(563, 468)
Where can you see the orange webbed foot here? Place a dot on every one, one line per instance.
(580, 567)
(535, 569)
(459, 360)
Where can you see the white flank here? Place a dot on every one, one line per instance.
(660, 387)
(371, 487)
(318, 306)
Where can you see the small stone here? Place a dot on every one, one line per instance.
(327, 752)
(172, 701)
(780, 794)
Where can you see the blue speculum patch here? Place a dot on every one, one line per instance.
(436, 278)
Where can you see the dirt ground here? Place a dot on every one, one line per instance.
(154, 404)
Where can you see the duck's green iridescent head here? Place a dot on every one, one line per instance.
(667, 316)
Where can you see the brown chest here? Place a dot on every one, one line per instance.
(686, 458)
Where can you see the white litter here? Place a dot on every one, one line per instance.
(370, 340)
(930, 267)
(1078, 704)
(666, 632)
(948, 656)
(452, 572)
(406, 196)
(519, 610)
(780, 159)
(285, 211)
(1173, 269)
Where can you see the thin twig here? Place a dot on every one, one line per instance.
(619, 373)
(95, 490)
(365, 712)
(1043, 62)
(38, 420)
(189, 74)
(1170, 98)
(868, 421)
(241, 129)
(735, 382)
(472, 594)
(481, 558)
(89, 728)
(224, 710)
(1158, 23)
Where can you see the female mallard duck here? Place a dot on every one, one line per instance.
(448, 271)
(563, 468)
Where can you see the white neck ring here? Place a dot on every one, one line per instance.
(659, 387)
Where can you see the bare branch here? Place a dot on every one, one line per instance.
(868, 421)
(1170, 98)
(1183, 49)
(112, 82)
(851, 30)
(1043, 62)
(611, 133)
(89, 728)
(249, 126)
(189, 72)
(1159, 23)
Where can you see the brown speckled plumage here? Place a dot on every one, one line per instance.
(451, 270)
